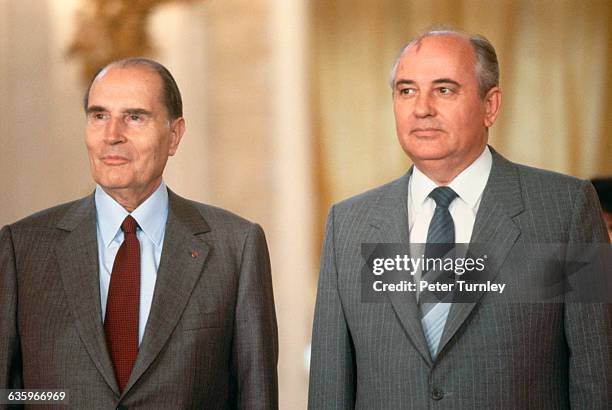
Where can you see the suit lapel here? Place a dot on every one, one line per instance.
(390, 217)
(182, 261)
(493, 235)
(77, 257)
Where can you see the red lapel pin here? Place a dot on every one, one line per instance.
(194, 254)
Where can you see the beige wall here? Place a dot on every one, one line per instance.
(42, 159)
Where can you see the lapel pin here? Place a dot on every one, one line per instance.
(194, 254)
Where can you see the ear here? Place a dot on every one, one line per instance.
(176, 134)
(492, 104)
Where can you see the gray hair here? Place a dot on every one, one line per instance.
(171, 95)
(487, 67)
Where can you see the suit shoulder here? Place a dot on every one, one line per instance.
(47, 218)
(548, 181)
(371, 196)
(531, 173)
(221, 218)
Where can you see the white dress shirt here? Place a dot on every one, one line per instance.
(468, 185)
(151, 217)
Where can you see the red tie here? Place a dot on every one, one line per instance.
(121, 322)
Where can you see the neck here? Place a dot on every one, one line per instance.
(131, 199)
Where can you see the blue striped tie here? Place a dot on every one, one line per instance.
(440, 241)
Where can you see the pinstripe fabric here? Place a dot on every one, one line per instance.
(494, 353)
(210, 340)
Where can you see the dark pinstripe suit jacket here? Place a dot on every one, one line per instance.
(210, 340)
(494, 353)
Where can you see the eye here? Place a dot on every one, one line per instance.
(407, 91)
(446, 90)
(134, 118)
(97, 116)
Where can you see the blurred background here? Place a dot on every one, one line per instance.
(288, 108)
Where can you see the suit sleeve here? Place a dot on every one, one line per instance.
(588, 325)
(332, 367)
(10, 354)
(255, 340)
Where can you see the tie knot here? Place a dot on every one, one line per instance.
(443, 196)
(129, 224)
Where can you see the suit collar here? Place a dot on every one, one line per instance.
(503, 188)
(186, 247)
(185, 213)
(390, 218)
(77, 257)
(84, 208)
(494, 234)
(390, 213)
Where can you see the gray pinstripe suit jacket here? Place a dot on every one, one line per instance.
(210, 340)
(494, 354)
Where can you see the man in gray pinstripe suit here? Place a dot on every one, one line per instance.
(493, 350)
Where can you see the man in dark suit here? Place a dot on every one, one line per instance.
(537, 344)
(134, 297)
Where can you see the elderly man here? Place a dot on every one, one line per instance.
(491, 351)
(134, 297)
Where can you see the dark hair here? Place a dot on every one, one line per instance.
(171, 96)
(603, 186)
(487, 66)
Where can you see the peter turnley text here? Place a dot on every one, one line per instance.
(423, 285)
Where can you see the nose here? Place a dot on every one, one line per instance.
(114, 132)
(423, 106)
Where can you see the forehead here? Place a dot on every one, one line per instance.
(440, 56)
(131, 86)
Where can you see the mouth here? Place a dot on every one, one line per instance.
(426, 132)
(114, 160)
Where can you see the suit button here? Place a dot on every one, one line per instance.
(437, 394)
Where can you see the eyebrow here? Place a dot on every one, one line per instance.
(128, 111)
(436, 81)
(446, 81)
(95, 108)
(138, 111)
(404, 82)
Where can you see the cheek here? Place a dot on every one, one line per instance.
(403, 116)
(463, 122)
(94, 137)
(147, 156)
(91, 146)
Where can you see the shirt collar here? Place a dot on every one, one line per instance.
(469, 184)
(151, 215)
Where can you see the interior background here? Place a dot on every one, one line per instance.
(288, 110)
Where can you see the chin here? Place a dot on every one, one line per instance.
(111, 182)
(426, 151)
(425, 148)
